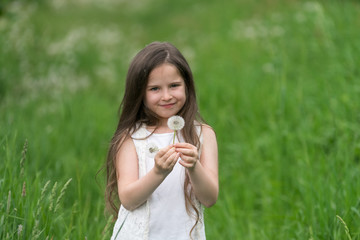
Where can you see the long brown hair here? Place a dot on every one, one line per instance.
(133, 113)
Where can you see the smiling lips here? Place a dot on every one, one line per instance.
(167, 105)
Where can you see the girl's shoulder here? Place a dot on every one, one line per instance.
(206, 126)
(208, 132)
(203, 127)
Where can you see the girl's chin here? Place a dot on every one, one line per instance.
(166, 114)
(165, 117)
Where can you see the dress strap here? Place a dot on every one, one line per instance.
(140, 143)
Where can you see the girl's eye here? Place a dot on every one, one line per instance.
(174, 85)
(154, 89)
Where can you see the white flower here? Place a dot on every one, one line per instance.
(20, 229)
(176, 123)
(152, 149)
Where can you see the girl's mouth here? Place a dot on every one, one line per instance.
(168, 105)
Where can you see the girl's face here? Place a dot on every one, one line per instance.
(165, 92)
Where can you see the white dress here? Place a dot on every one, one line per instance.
(163, 215)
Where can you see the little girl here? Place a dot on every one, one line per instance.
(161, 183)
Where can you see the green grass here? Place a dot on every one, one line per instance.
(278, 81)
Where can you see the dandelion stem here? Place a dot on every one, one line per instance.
(174, 136)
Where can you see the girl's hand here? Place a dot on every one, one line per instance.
(188, 153)
(165, 160)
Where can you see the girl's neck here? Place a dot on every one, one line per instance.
(161, 128)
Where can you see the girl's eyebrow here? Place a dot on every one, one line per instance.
(152, 86)
(156, 85)
(176, 81)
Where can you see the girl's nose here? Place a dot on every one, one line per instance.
(167, 95)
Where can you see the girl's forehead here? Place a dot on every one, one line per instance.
(164, 73)
(164, 67)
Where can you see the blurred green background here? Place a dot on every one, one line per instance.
(278, 80)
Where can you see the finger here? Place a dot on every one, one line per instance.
(188, 159)
(168, 154)
(173, 159)
(161, 160)
(185, 151)
(183, 145)
(189, 155)
(182, 163)
(164, 150)
(186, 164)
(167, 164)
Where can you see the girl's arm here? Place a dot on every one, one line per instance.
(203, 173)
(134, 191)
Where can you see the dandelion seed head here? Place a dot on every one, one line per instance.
(176, 123)
(152, 149)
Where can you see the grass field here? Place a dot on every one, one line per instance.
(278, 80)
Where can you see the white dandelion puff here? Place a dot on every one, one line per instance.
(176, 123)
(152, 149)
